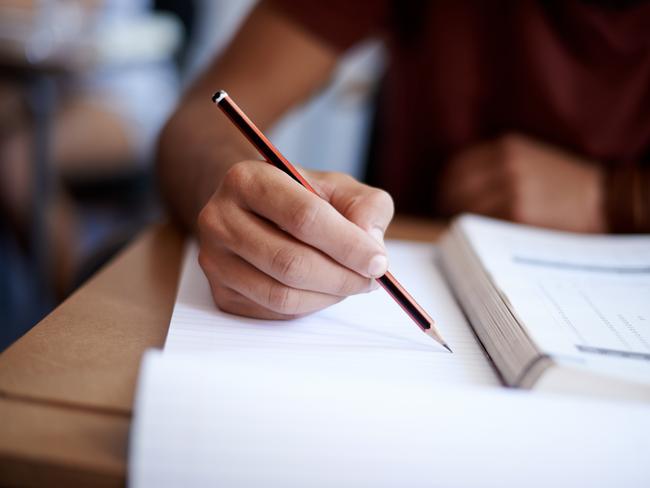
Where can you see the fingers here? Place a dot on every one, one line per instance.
(475, 181)
(239, 287)
(279, 255)
(272, 249)
(307, 217)
(228, 300)
(370, 208)
(492, 204)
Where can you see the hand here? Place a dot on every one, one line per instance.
(271, 249)
(523, 180)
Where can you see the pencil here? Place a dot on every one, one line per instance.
(273, 156)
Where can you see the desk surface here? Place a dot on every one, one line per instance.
(67, 386)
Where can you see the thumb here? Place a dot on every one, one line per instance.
(370, 208)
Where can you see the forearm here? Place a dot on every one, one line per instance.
(259, 69)
(196, 148)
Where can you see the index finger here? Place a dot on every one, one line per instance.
(312, 220)
(370, 208)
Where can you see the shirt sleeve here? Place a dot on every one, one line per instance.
(341, 24)
(627, 199)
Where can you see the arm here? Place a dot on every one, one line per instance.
(269, 67)
(269, 248)
(525, 180)
(522, 179)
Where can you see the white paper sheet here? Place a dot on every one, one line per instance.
(357, 396)
(368, 333)
(215, 420)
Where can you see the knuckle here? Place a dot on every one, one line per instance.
(211, 226)
(210, 266)
(370, 206)
(347, 250)
(224, 298)
(237, 177)
(382, 200)
(282, 299)
(324, 182)
(204, 219)
(355, 206)
(204, 260)
(303, 218)
(348, 285)
(342, 178)
(289, 267)
(332, 182)
(336, 177)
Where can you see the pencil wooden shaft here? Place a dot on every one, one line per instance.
(405, 300)
(273, 156)
(259, 140)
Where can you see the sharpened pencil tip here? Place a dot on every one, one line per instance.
(433, 333)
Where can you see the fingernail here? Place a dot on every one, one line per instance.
(377, 266)
(377, 234)
(373, 285)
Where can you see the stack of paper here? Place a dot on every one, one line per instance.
(357, 395)
(220, 420)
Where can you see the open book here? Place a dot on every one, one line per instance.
(357, 395)
(554, 310)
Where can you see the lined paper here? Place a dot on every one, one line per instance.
(365, 335)
(206, 421)
(356, 395)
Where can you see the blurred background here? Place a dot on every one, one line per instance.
(85, 87)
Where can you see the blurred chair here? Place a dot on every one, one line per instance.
(120, 54)
(108, 63)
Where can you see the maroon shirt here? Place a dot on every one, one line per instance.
(575, 74)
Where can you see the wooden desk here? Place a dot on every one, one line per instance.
(67, 386)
